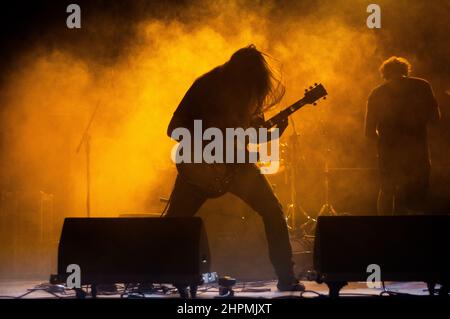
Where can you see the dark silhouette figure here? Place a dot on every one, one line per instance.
(398, 112)
(234, 95)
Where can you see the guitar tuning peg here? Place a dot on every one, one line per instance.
(315, 84)
(310, 87)
(306, 90)
(324, 97)
(314, 103)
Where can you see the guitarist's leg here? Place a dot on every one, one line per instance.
(185, 200)
(255, 190)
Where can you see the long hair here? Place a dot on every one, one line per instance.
(252, 81)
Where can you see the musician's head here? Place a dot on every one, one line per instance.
(395, 67)
(250, 77)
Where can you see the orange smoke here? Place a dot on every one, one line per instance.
(52, 97)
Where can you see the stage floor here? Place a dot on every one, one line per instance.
(266, 289)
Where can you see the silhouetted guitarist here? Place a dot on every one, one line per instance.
(233, 95)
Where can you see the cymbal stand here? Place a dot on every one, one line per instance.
(327, 208)
(295, 211)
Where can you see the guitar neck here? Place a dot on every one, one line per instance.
(284, 114)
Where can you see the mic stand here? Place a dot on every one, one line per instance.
(86, 141)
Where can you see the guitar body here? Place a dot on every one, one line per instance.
(212, 179)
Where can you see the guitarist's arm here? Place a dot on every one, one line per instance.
(175, 122)
(182, 115)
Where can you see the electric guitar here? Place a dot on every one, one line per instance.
(213, 179)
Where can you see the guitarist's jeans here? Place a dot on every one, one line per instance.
(253, 188)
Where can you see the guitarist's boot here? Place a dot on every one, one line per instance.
(288, 282)
(290, 285)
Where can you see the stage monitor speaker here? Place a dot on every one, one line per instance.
(407, 248)
(134, 250)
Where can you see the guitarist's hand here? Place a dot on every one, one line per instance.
(257, 120)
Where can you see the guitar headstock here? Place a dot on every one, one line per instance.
(314, 93)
